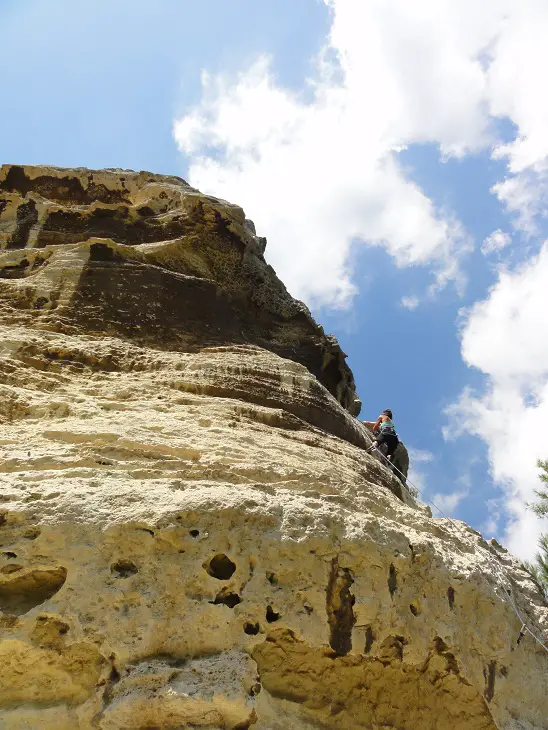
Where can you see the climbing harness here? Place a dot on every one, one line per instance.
(498, 568)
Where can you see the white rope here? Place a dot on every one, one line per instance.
(498, 567)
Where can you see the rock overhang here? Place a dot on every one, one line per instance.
(185, 255)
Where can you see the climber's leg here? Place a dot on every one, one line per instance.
(387, 444)
(382, 444)
(392, 445)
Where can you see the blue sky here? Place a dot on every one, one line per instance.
(378, 149)
(99, 84)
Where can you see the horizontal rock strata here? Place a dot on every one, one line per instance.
(192, 534)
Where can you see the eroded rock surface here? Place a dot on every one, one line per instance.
(192, 534)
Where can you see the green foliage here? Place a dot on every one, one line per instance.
(541, 507)
(535, 574)
(539, 569)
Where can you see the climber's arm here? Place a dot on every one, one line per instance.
(373, 424)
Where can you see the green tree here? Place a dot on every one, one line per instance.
(539, 569)
(541, 507)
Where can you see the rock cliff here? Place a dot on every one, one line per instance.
(192, 533)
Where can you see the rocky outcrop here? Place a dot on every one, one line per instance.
(149, 259)
(192, 534)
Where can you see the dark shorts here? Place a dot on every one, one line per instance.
(387, 443)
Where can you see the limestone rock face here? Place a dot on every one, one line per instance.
(192, 534)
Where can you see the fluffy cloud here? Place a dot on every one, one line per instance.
(504, 337)
(526, 196)
(448, 502)
(417, 477)
(495, 241)
(410, 303)
(420, 455)
(320, 170)
(518, 57)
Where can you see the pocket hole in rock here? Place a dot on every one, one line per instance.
(195, 533)
(227, 598)
(414, 610)
(369, 639)
(9, 555)
(123, 568)
(392, 580)
(271, 615)
(254, 691)
(114, 675)
(24, 590)
(272, 579)
(451, 597)
(220, 567)
(48, 629)
(11, 568)
(251, 629)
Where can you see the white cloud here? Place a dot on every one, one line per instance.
(443, 504)
(526, 196)
(320, 172)
(420, 455)
(410, 303)
(417, 478)
(495, 241)
(519, 55)
(504, 337)
(495, 510)
(449, 501)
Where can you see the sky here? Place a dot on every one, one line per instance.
(394, 154)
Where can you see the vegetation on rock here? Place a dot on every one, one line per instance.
(539, 569)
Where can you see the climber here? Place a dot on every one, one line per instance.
(386, 438)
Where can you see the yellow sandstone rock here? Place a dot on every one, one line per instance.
(192, 534)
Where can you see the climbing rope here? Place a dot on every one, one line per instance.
(490, 559)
